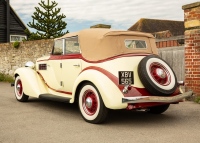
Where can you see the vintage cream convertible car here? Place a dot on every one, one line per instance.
(102, 69)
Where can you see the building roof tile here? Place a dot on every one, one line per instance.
(157, 25)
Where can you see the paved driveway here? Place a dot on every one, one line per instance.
(40, 121)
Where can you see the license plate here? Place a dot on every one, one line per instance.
(126, 77)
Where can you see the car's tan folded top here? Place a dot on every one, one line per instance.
(98, 43)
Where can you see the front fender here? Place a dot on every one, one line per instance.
(110, 93)
(33, 85)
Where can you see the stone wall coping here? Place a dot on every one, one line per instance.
(192, 5)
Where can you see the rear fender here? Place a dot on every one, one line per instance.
(33, 85)
(110, 93)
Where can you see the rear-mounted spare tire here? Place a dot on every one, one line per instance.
(157, 76)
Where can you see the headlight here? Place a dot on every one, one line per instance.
(30, 64)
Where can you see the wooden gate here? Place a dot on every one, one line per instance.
(175, 57)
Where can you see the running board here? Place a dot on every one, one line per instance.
(54, 97)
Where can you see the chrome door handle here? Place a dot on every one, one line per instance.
(77, 65)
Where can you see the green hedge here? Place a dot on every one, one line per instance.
(6, 78)
(197, 99)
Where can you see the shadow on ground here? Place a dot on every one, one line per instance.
(115, 116)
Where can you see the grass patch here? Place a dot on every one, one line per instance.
(197, 99)
(6, 78)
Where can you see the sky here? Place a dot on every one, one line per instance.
(120, 14)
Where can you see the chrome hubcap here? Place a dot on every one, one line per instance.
(18, 87)
(88, 102)
(160, 73)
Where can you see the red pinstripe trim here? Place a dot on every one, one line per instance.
(63, 57)
(133, 92)
(112, 77)
(115, 57)
(70, 93)
(79, 56)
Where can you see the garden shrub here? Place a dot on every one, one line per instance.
(16, 44)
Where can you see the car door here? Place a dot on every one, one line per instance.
(53, 75)
(71, 63)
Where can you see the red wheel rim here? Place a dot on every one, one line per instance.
(90, 102)
(160, 74)
(19, 88)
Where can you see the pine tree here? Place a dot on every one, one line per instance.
(48, 22)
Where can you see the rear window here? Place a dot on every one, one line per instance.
(135, 44)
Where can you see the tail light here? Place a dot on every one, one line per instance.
(126, 89)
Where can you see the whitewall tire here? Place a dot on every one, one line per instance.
(19, 93)
(91, 104)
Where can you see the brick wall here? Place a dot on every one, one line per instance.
(12, 58)
(192, 46)
(173, 41)
(170, 43)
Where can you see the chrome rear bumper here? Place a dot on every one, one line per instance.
(161, 99)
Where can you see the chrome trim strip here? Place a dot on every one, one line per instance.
(164, 99)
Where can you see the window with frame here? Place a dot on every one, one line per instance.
(135, 44)
(71, 46)
(19, 38)
(66, 46)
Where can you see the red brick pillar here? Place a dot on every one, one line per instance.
(192, 46)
